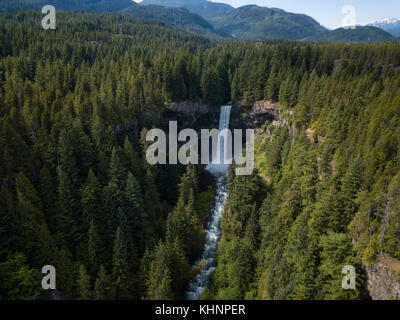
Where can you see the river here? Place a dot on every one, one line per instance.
(213, 226)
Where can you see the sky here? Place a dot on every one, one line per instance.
(329, 12)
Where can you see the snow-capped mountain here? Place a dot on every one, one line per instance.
(386, 23)
(391, 25)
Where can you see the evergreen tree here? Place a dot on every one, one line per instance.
(119, 271)
(7, 221)
(91, 200)
(135, 212)
(30, 214)
(84, 286)
(103, 288)
(95, 252)
(159, 285)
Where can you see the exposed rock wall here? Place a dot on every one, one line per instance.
(382, 281)
(266, 107)
(256, 115)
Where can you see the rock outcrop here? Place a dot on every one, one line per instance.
(382, 282)
(266, 107)
(199, 115)
(254, 117)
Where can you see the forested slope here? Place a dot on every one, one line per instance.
(76, 190)
(204, 8)
(327, 192)
(180, 18)
(250, 21)
(81, 5)
(357, 35)
(261, 23)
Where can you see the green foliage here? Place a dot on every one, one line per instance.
(103, 286)
(18, 281)
(7, 221)
(358, 35)
(95, 248)
(335, 254)
(76, 189)
(177, 17)
(261, 23)
(120, 264)
(330, 169)
(84, 287)
(250, 21)
(159, 280)
(204, 202)
(83, 5)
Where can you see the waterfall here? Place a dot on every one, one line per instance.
(213, 228)
(219, 158)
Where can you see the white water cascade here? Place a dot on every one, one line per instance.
(213, 229)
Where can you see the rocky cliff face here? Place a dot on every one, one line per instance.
(197, 114)
(265, 110)
(254, 117)
(382, 282)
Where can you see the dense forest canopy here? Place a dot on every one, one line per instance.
(77, 193)
(81, 5)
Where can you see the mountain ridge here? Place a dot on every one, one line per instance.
(180, 18)
(391, 25)
(206, 9)
(262, 23)
(361, 34)
(71, 5)
(250, 22)
(222, 21)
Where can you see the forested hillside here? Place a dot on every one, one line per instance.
(204, 8)
(327, 192)
(77, 192)
(261, 23)
(81, 5)
(176, 17)
(250, 21)
(357, 35)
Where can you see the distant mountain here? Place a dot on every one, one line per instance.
(249, 22)
(387, 24)
(358, 35)
(395, 32)
(72, 5)
(261, 23)
(391, 25)
(219, 20)
(206, 9)
(177, 17)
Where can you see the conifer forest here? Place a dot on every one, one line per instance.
(78, 193)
